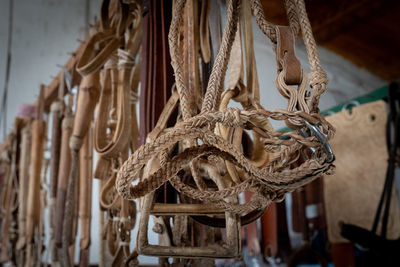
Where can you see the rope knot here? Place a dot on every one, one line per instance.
(112, 62)
(67, 123)
(125, 59)
(56, 106)
(231, 117)
(75, 142)
(134, 97)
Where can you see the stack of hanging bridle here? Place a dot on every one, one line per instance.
(9, 202)
(23, 191)
(269, 177)
(115, 131)
(107, 57)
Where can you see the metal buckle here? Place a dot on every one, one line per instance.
(315, 131)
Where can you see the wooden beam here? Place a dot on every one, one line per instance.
(186, 209)
(344, 17)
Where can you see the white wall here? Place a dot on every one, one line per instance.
(46, 30)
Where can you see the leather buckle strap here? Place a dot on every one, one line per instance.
(285, 56)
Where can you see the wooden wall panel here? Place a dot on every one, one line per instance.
(365, 32)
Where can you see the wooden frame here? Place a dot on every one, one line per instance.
(230, 249)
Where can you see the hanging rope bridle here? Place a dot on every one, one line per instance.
(278, 176)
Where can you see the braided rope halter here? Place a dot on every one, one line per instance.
(280, 175)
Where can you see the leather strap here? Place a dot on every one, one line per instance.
(135, 79)
(23, 184)
(205, 31)
(157, 77)
(285, 56)
(190, 52)
(214, 21)
(86, 101)
(56, 118)
(235, 78)
(165, 116)
(133, 45)
(85, 198)
(161, 68)
(145, 63)
(88, 95)
(116, 96)
(33, 209)
(105, 202)
(252, 86)
(56, 109)
(92, 60)
(63, 175)
(111, 148)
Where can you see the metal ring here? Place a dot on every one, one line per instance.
(315, 131)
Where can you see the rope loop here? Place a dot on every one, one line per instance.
(125, 59)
